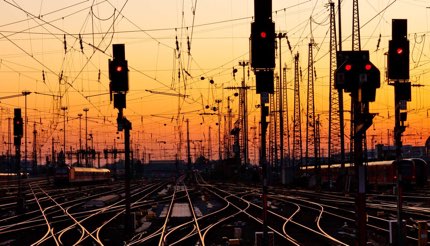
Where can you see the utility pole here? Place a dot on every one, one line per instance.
(188, 145)
(244, 104)
(297, 123)
(25, 94)
(53, 152)
(9, 141)
(34, 149)
(356, 46)
(80, 139)
(17, 132)
(285, 95)
(310, 107)
(64, 133)
(218, 101)
(272, 158)
(280, 36)
(86, 136)
(210, 144)
(229, 127)
(340, 92)
(335, 127)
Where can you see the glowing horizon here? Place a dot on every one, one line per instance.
(42, 53)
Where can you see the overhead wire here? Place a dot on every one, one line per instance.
(189, 63)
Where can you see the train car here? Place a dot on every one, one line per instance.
(421, 170)
(380, 172)
(88, 174)
(74, 175)
(9, 176)
(407, 168)
(414, 172)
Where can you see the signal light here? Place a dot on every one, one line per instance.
(398, 59)
(17, 123)
(263, 34)
(118, 70)
(356, 71)
(118, 74)
(263, 45)
(399, 51)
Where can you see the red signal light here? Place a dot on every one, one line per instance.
(263, 34)
(368, 67)
(399, 51)
(348, 67)
(119, 68)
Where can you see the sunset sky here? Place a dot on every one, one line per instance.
(59, 51)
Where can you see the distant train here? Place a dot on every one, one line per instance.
(414, 172)
(73, 175)
(8, 176)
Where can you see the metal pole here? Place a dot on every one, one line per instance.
(53, 154)
(209, 144)
(398, 129)
(80, 138)
(281, 112)
(219, 130)
(64, 133)
(188, 144)
(288, 131)
(25, 94)
(244, 93)
(264, 113)
(34, 149)
(86, 136)
(340, 92)
(359, 169)
(25, 130)
(9, 139)
(127, 128)
(20, 198)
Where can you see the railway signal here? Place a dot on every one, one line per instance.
(370, 80)
(17, 123)
(18, 132)
(356, 72)
(357, 75)
(118, 75)
(398, 51)
(118, 69)
(398, 73)
(263, 64)
(263, 44)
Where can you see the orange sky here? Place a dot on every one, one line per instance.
(32, 40)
